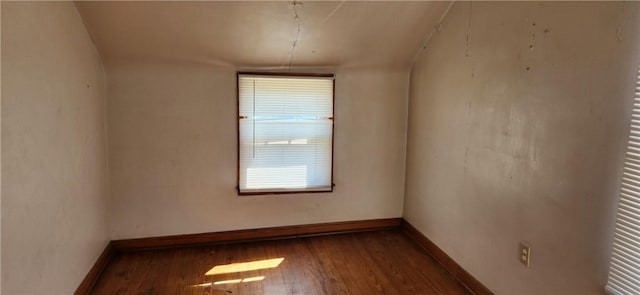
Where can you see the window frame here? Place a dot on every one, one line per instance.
(238, 118)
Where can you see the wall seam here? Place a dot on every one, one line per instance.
(105, 124)
(406, 141)
(415, 58)
(436, 28)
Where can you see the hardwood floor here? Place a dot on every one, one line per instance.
(376, 262)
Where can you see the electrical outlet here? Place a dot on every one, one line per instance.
(525, 254)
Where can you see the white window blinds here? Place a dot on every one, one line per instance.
(624, 271)
(285, 133)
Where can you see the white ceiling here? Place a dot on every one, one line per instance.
(261, 34)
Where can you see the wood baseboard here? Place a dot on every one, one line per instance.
(471, 283)
(94, 273)
(278, 233)
(254, 234)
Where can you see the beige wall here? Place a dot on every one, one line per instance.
(172, 142)
(518, 117)
(54, 189)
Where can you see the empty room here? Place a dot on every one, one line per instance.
(320, 147)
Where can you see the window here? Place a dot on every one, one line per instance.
(624, 270)
(285, 133)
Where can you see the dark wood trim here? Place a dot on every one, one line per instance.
(113, 247)
(254, 234)
(471, 283)
(333, 133)
(289, 74)
(283, 192)
(94, 273)
(332, 118)
(238, 131)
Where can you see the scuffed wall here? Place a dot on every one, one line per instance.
(54, 173)
(173, 158)
(517, 123)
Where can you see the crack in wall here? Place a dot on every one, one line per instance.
(295, 41)
(436, 28)
(619, 30)
(468, 44)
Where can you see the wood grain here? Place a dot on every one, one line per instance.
(475, 286)
(94, 273)
(253, 234)
(337, 264)
(371, 262)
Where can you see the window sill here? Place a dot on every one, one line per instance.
(284, 192)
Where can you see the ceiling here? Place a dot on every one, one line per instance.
(262, 34)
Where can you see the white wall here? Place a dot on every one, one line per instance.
(172, 143)
(54, 189)
(517, 123)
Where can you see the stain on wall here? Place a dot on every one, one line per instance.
(517, 123)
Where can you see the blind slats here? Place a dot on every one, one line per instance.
(626, 237)
(633, 164)
(619, 267)
(633, 160)
(615, 286)
(631, 204)
(624, 270)
(286, 133)
(632, 155)
(625, 194)
(623, 258)
(631, 179)
(624, 285)
(626, 245)
(630, 188)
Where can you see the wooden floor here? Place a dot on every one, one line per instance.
(377, 262)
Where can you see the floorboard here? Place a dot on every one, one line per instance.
(375, 262)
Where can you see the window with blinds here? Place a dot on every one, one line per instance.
(285, 140)
(624, 271)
